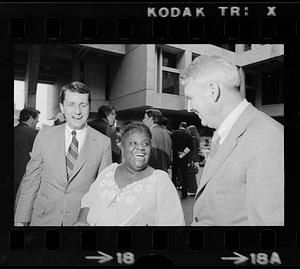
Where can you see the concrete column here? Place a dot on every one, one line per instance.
(32, 74)
(239, 48)
(184, 60)
(255, 46)
(243, 83)
(151, 66)
(159, 70)
(31, 100)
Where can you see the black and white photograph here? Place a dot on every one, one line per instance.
(148, 135)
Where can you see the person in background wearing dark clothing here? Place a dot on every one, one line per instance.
(59, 119)
(164, 125)
(161, 142)
(24, 136)
(182, 147)
(194, 158)
(105, 124)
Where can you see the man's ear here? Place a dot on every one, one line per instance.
(215, 91)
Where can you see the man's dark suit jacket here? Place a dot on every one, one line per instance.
(181, 139)
(103, 127)
(24, 136)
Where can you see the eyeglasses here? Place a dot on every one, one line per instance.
(113, 113)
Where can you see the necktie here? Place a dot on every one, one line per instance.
(214, 145)
(72, 154)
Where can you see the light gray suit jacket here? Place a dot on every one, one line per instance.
(244, 183)
(46, 197)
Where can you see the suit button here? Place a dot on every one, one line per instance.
(196, 219)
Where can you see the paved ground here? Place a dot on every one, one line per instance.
(188, 203)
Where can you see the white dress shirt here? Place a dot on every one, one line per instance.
(80, 135)
(227, 124)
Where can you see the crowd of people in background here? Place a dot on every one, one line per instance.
(172, 151)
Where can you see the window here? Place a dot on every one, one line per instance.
(19, 97)
(250, 95)
(247, 47)
(170, 82)
(230, 47)
(194, 56)
(272, 87)
(169, 60)
(168, 72)
(45, 103)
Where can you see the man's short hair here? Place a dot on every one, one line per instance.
(183, 124)
(75, 86)
(28, 112)
(104, 111)
(164, 121)
(212, 68)
(155, 114)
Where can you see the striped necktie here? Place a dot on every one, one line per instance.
(72, 154)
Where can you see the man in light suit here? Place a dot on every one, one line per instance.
(243, 180)
(64, 162)
(161, 143)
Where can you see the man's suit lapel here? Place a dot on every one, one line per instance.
(87, 149)
(228, 145)
(58, 146)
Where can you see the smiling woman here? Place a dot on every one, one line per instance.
(132, 193)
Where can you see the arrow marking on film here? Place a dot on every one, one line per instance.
(239, 259)
(101, 259)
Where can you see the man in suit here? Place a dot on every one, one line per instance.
(105, 123)
(243, 180)
(64, 162)
(24, 135)
(182, 149)
(161, 143)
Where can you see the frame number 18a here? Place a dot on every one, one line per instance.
(263, 258)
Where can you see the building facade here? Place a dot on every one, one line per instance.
(134, 77)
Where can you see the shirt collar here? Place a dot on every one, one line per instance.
(26, 123)
(153, 125)
(78, 132)
(227, 124)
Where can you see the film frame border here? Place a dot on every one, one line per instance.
(214, 30)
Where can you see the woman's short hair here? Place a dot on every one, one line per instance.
(137, 126)
(75, 86)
